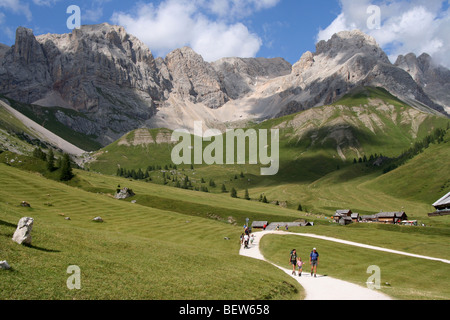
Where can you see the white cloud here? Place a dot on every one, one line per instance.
(406, 26)
(17, 7)
(233, 9)
(208, 27)
(47, 3)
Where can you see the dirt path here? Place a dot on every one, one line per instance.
(322, 287)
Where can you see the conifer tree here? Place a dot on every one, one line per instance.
(66, 169)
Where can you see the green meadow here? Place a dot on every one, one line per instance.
(137, 253)
(178, 237)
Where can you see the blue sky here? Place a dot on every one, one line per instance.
(262, 28)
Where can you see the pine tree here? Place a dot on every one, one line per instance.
(233, 193)
(300, 207)
(265, 200)
(39, 154)
(224, 189)
(51, 161)
(66, 169)
(59, 162)
(247, 196)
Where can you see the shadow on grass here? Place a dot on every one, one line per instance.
(42, 249)
(7, 224)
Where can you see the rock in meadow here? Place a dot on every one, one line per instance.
(23, 231)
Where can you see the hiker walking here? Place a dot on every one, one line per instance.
(300, 266)
(293, 260)
(314, 262)
(246, 238)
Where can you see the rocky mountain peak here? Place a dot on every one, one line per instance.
(195, 79)
(347, 43)
(27, 49)
(433, 78)
(113, 79)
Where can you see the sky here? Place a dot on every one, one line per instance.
(246, 28)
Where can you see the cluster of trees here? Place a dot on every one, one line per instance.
(133, 174)
(364, 159)
(234, 194)
(141, 174)
(62, 163)
(436, 137)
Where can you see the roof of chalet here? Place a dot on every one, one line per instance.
(443, 201)
(341, 212)
(259, 224)
(389, 214)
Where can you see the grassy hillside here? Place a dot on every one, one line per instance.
(14, 135)
(47, 117)
(318, 148)
(137, 253)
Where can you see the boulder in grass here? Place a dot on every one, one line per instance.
(98, 219)
(25, 204)
(23, 231)
(124, 194)
(4, 265)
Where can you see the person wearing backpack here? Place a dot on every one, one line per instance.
(293, 261)
(314, 262)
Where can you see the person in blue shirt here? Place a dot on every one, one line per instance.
(314, 262)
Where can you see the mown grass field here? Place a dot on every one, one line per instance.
(137, 253)
(171, 244)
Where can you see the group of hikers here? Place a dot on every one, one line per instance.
(247, 238)
(294, 260)
(297, 263)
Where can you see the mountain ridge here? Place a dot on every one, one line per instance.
(114, 79)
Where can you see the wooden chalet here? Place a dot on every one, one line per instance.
(356, 218)
(259, 224)
(386, 217)
(342, 214)
(442, 206)
(391, 217)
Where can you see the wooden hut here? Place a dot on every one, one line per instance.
(442, 206)
(259, 224)
(341, 214)
(356, 217)
(391, 217)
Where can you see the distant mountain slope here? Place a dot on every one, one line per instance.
(314, 142)
(113, 79)
(434, 79)
(37, 132)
